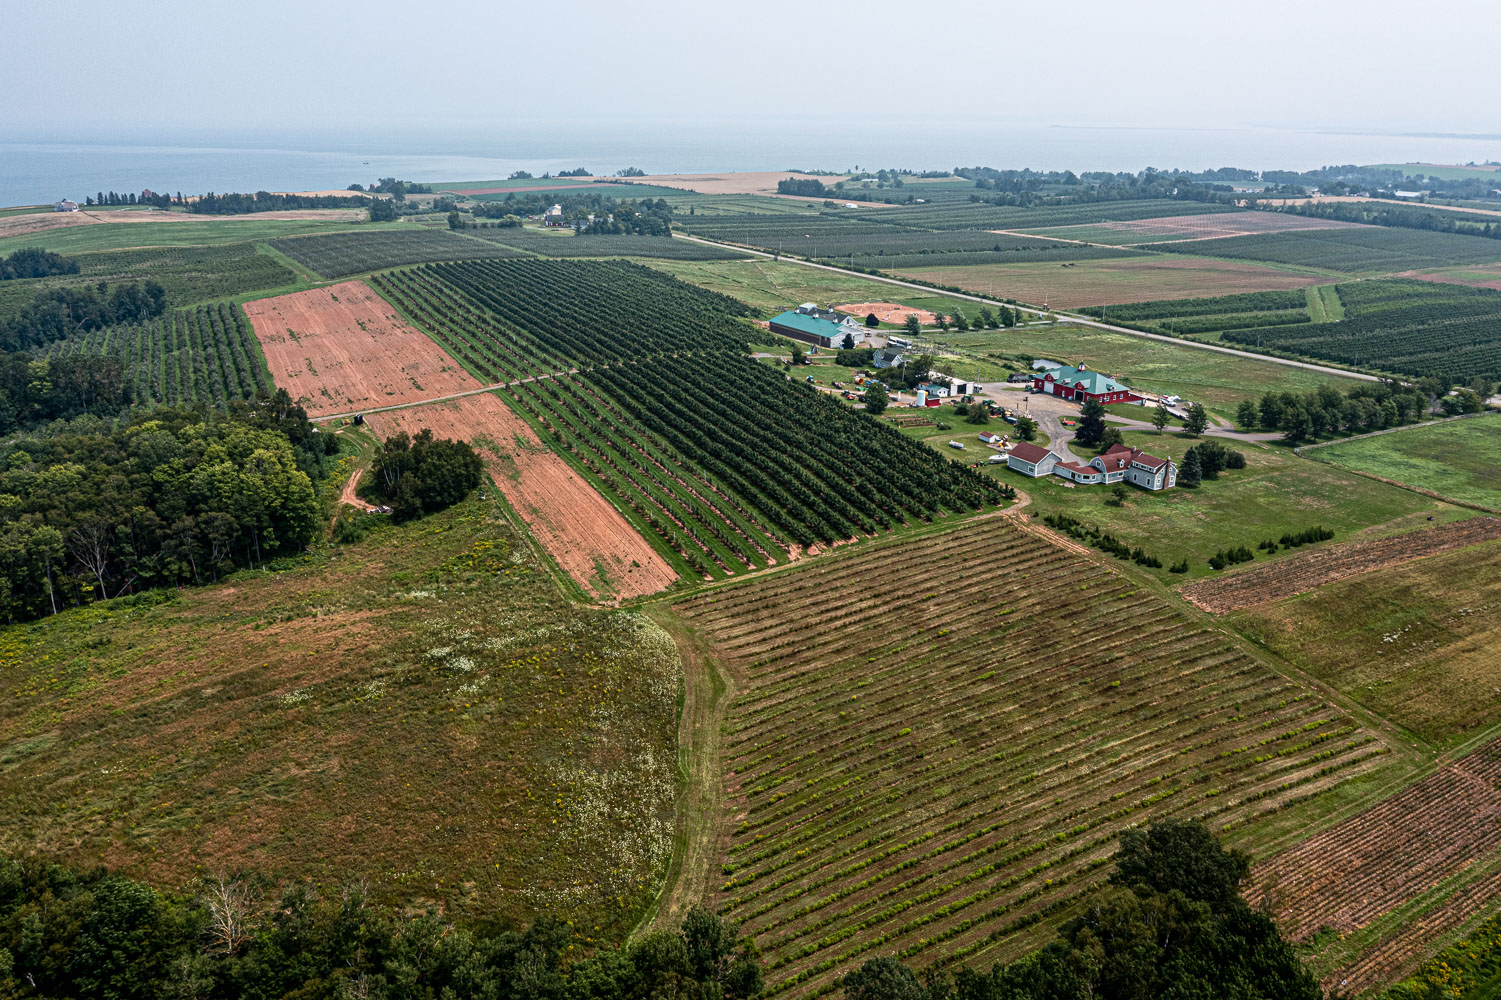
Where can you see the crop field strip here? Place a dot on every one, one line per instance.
(1351, 874)
(1037, 253)
(878, 807)
(622, 245)
(1221, 312)
(649, 351)
(1357, 250)
(205, 272)
(1172, 228)
(1411, 327)
(203, 355)
(338, 255)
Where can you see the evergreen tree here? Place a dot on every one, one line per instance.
(1091, 424)
(1161, 416)
(1196, 420)
(1190, 473)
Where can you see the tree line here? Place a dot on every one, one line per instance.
(1397, 216)
(646, 217)
(98, 509)
(1327, 411)
(31, 262)
(38, 390)
(55, 313)
(265, 201)
(1169, 922)
(146, 197)
(75, 934)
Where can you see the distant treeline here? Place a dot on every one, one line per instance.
(33, 263)
(146, 197)
(54, 313)
(265, 201)
(396, 188)
(647, 217)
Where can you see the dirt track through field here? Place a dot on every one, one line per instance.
(344, 348)
(592, 542)
(1318, 566)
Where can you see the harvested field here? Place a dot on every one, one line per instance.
(746, 182)
(1414, 642)
(21, 225)
(888, 312)
(344, 348)
(1175, 228)
(1431, 833)
(1113, 280)
(590, 539)
(1478, 276)
(925, 775)
(1304, 572)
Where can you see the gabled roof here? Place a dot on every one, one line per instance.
(1094, 383)
(795, 320)
(1028, 452)
(1079, 468)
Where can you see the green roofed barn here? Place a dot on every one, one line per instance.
(819, 327)
(1081, 385)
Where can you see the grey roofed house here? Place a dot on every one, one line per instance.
(885, 357)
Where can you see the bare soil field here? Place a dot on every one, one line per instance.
(21, 225)
(344, 348)
(577, 526)
(1318, 566)
(1352, 874)
(888, 312)
(746, 182)
(1208, 227)
(1475, 276)
(1114, 280)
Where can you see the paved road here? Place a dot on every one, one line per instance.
(1067, 317)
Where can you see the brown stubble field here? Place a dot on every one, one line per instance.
(590, 540)
(1114, 280)
(343, 348)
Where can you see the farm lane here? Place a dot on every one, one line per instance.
(438, 399)
(1063, 317)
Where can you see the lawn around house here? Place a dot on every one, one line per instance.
(1458, 458)
(1277, 492)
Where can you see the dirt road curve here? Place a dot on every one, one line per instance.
(1069, 317)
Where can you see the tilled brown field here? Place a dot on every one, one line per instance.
(925, 770)
(590, 539)
(1358, 870)
(344, 348)
(1318, 566)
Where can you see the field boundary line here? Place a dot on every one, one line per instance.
(442, 399)
(709, 688)
(1064, 317)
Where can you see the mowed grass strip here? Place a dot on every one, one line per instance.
(936, 742)
(1459, 458)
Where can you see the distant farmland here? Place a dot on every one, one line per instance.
(929, 770)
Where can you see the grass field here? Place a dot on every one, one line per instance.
(124, 235)
(1459, 459)
(935, 742)
(772, 286)
(421, 709)
(1110, 281)
(1416, 643)
(1277, 492)
(1219, 381)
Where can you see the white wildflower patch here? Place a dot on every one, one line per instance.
(294, 697)
(417, 595)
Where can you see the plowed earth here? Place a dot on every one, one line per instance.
(1319, 566)
(888, 312)
(578, 527)
(344, 348)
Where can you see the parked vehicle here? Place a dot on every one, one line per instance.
(995, 459)
(957, 444)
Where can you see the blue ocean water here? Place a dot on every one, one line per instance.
(37, 168)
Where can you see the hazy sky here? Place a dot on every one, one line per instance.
(274, 63)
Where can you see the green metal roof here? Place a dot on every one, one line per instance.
(808, 324)
(1095, 383)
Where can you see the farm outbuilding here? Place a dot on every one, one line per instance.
(65, 206)
(1082, 385)
(1031, 460)
(819, 327)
